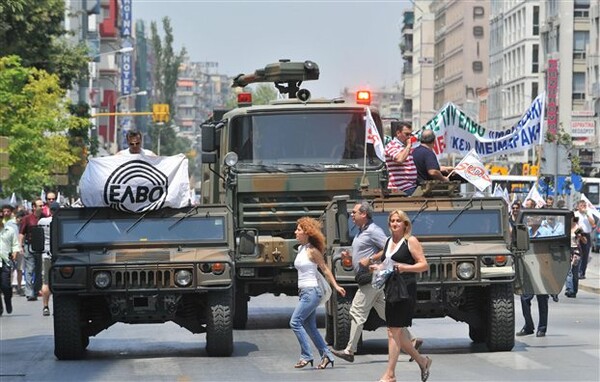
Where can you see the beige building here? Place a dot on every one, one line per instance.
(461, 52)
(421, 81)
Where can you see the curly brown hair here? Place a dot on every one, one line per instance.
(312, 228)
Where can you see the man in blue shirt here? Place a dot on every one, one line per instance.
(428, 167)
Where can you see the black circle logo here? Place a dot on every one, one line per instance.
(136, 186)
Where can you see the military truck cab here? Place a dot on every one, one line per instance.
(273, 164)
(475, 265)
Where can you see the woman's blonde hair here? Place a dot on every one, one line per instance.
(404, 218)
(312, 228)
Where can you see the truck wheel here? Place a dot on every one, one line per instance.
(240, 309)
(219, 328)
(328, 329)
(477, 334)
(341, 323)
(501, 320)
(68, 334)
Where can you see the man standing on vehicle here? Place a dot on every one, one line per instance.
(399, 160)
(426, 162)
(367, 248)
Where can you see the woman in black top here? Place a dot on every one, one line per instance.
(408, 259)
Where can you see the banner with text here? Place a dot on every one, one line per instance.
(457, 133)
(136, 183)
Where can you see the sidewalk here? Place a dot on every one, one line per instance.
(592, 275)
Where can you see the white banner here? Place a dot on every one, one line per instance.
(461, 134)
(136, 183)
(372, 136)
(473, 171)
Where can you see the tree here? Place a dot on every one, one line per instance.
(34, 30)
(263, 94)
(165, 72)
(35, 115)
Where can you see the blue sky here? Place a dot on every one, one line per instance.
(355, 43)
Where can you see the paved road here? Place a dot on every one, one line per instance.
(267, 350)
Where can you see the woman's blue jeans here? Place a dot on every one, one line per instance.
(304, 324)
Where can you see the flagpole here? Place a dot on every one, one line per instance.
(364, 182)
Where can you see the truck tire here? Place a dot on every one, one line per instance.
(219, 326)
(501, 319)
(477, 334)
(341, 323)
(240, 309)
(68, 335)
(328, 329)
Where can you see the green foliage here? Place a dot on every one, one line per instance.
(34, 30)
(263, 94)
(33, 113)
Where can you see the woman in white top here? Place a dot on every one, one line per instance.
(304, 319)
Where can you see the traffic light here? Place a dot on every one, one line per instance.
(160, 112)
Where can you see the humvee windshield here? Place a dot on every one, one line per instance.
(321, 139)
(440, 223)
(147, 230)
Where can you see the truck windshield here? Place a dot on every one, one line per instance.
(149, 230)
(438, 223)
(313, 138)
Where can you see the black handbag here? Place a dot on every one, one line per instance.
(363, 276)
(396, 288)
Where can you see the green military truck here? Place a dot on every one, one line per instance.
(475, 263)
(111, 266)
(272, 164)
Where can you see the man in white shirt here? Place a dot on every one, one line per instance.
(587, 224)
(47, 257)
(134, 141)
(9, 248)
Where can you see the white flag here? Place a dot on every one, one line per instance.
(13, 200)
(590, 206)
(535, 195)
(505, 195)
(498, 191)
(473, 171)
(136, 183)
(43, 195)
(372, 136)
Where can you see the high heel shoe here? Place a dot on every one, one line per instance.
(425, 370)
(324, 362)
(302, 363)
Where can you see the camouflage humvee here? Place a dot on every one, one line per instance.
(166, 265)
(272, 164)
(475, 264)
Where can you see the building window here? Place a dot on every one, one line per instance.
(478, 12)
(580, 40)
(581, 8)
(478, 31)
(535, 60)
(578, 85)
(534, 90)
(477, 66)
(536, 20)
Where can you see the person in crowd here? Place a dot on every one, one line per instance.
(530, 203)
(399, 160)
(134, 141)
(47, 257)
(577, 240)
(561, 204)
(549, 201)
(405, 254)
(550, 227)
(50, 198)
(304, 319)
(32, 261)
(13, 221)
(529, 327)
(587, 223)
(9, 247)
(426, 162)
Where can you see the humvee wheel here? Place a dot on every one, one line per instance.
(68, 336)
(240, 309)
(501, 319)
(328, 329)
(341, 323)
(219, 326)
(477, 334)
